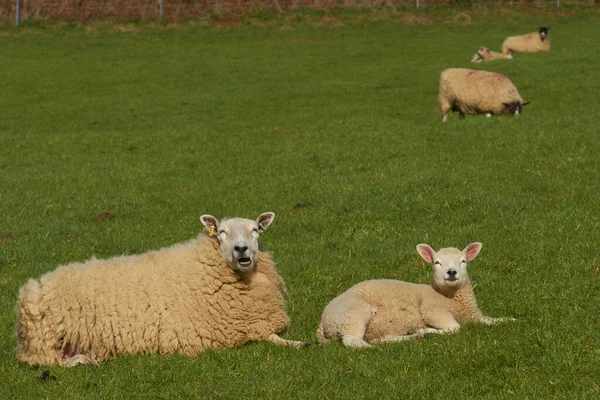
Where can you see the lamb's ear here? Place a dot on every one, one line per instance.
(507, 105)
(211, 224)
(472, 250)
(525, 103)
(264, 220)
(426, 252)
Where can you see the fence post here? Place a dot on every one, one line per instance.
(417, 3)
(17, 13)
(160, 9)
(557, 3)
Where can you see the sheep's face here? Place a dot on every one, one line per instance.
(544, 33)
(449, 264)
(238, 238)
(481, 55)
(515, 107)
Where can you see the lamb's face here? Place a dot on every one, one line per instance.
(238, 238)
(480, 56)
(449, 264)
(450, 268)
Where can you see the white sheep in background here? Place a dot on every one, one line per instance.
(387, 310)
(485, 55)
(530, 43)
(474, 92)
(215, 291)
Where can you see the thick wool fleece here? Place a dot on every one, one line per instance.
(475, 92)
(530, 43)
(395, 308)
(183, 298)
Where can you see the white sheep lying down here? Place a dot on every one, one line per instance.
(387, 310)
(473, 92)
(215, 291)
(485, 55)
(530, 43)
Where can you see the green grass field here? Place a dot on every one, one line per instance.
(333, 124)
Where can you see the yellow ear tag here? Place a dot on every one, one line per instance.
(211, 232)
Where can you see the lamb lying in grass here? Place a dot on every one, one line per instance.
(485, 55)
(217, 290)
(530, 43)
(388, 310)
(473, 92)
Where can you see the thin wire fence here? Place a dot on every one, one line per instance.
(86, 10)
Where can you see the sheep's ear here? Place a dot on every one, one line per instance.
(472, 250)
(211, 224)
(426, 252)
(264, 220)
(525, 103)
(507, 105)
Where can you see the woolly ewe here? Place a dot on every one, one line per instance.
(474, 92)
(217, 290)
(530, 43)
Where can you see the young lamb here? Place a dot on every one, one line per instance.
(485, 55)
(387, 310)
(215, 291)
(530, 43)
(474, 92)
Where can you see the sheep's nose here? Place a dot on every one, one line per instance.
(240, 249)
(451, 273)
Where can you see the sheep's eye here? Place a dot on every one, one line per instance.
(463, 261)
(255, 230)
(438, 263)
(221, 232)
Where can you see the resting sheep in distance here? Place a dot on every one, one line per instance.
(485, 55)
(474, 92)
(215, 291)
(388, 310)
(530, 43)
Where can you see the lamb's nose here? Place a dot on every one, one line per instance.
(451, 273)
(240, 249)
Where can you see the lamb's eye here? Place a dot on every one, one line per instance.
(222, 232)
(438, 263)
(255, 230)
(463, 261)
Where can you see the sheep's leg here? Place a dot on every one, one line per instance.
(394, 338)
(461, 115)
(275, 338)
(346, 317)
(445, 108)
(492, 321)
(443, 321)
(78, 359)
(419, 333)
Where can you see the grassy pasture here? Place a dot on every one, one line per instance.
(334, 127)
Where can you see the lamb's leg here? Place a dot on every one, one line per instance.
(393, 338)
(275, 338)
(492, 321)
(78, 359)
(346, 317)
(461, 115)
(420, 333)
(441, 320)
